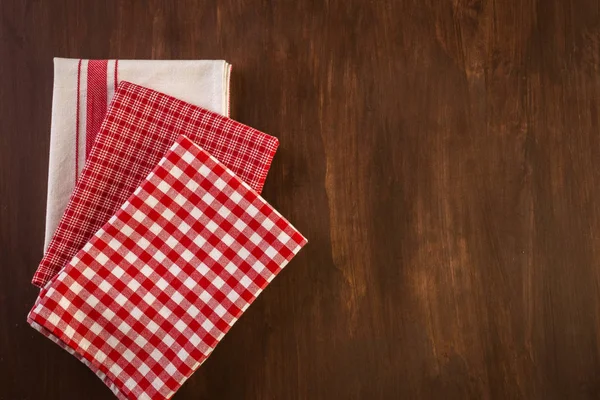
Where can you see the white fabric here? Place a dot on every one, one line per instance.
(204, 83)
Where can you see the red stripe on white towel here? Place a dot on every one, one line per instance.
(96, 100)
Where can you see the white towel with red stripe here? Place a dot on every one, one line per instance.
(82, 91)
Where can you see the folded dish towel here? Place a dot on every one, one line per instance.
(84, 88)
(148, 298)
(139, 127)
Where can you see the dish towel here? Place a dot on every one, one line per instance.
(84, 88)
(148, 298)
(141, 124)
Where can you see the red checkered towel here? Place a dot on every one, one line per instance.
(148, 298)
(141, 124)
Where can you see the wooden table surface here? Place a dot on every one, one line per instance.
(442, 157)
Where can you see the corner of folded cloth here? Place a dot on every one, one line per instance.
(147, 299)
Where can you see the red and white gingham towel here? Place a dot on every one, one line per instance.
(138, 129)
(148, 298)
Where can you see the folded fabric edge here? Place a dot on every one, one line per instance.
(274, 145)
(139, 59)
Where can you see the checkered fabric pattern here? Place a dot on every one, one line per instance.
(141, 124)
(148, 298)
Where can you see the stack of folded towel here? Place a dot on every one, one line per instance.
(157, 238)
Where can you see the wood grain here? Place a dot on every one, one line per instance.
(443, 158)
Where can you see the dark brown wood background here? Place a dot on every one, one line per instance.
(443, 158)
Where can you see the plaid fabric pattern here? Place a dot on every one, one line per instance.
(148, 298)
(141, 124)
